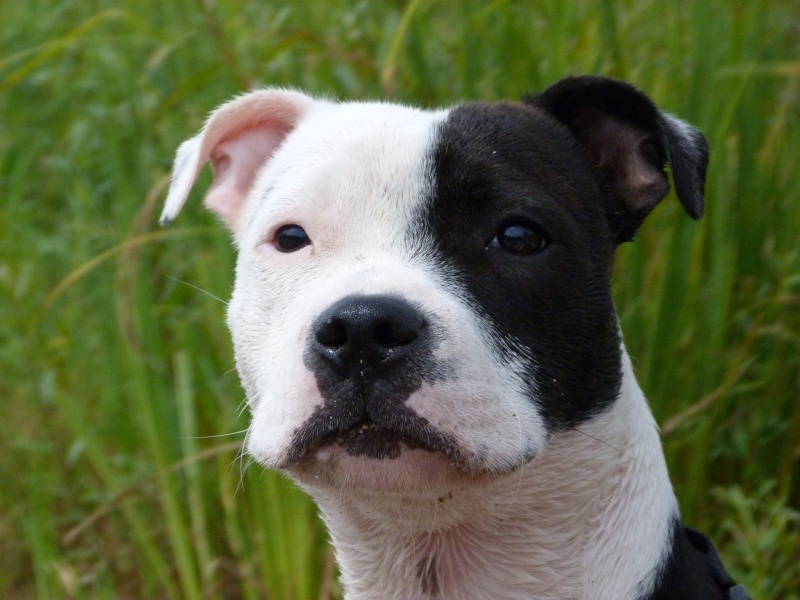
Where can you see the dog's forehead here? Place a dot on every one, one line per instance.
(350, 168)
(371, 177)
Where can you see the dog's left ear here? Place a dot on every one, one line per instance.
(630, 142)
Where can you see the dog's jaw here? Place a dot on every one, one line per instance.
(589, 518)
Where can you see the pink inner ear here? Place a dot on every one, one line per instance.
(236, 164)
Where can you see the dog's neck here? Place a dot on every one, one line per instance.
(589, 518)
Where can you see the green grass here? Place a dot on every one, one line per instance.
(116, 374)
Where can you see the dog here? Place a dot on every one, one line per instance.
(424, 327)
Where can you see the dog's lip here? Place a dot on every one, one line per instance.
(368, 427)
(378, 438)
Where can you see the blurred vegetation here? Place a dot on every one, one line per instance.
(121, 416)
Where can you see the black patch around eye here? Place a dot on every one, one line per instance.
(291, 238)
(509, 166)
(520, 239)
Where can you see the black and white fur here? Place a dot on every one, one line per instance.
(462, 409)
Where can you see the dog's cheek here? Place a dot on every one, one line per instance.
(276, 419)
(257, 322)
(281, 392)
(494, 429)
(244, 330)
(484, 404)
(283, 395)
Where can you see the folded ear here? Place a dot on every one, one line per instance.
(629, 142)
(239, 138)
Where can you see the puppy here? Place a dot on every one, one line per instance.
(424, 325)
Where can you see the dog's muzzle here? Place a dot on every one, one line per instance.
(368, 355)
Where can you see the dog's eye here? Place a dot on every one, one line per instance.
(291, 238)
(518, 238)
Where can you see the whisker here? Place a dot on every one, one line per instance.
(199, 289)
(241, 409)
(206, 437)
(242, 466)
(609, 445)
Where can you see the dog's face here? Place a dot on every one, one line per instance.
(422, 296)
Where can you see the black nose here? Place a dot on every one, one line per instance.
(368, 331)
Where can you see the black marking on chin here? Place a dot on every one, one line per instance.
(553, 310)
(383, 441)
(428, 575)
(373, 440)
(380, 438)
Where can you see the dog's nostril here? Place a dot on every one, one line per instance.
(390, 334)
(332, 334)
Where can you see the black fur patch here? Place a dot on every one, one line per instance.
(496, 164)
(693, 571)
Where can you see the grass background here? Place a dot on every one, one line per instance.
(119, 467)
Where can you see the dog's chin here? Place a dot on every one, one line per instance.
(408, 470)
(406, 457)
(387, 450)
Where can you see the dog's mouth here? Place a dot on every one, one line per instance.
(373, 440)
(366, 436)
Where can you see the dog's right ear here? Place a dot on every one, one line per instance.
(238, 138)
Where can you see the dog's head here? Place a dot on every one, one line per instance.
(423, 296)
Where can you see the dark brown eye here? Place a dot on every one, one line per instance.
(520, 239)
(291, 238)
